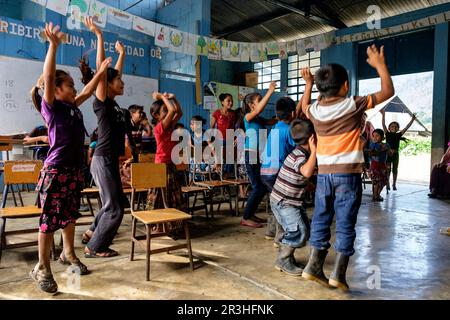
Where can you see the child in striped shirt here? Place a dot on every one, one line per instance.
(337, 121)
(286, 199)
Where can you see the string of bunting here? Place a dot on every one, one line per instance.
(219, 49)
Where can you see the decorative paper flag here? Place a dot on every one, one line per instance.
(254, 52)
(79, 9)
(243, 91)
(177, 40)
(161, 35)
(99, 12)
(245, 51)
(230, 50)
(225, 50)
(310, 44)
(144, 26)
(120, 18)
(59, 6)
(41, 2)
(191, 44)
(202, 46)
(291, 46)
(235, 51)
(262, 52)
(273, 48)
(214, 49)
(283, 50)
(301, 49)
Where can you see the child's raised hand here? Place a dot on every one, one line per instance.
(120, 49)
(375, 58)
(307, 75)
(89, 23)
(272, 86)
(54, 36)
(156, 95)
(169, 95)
(105, 65)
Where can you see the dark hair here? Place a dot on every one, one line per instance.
(394, 122)
(36, 98)
(223, 96)
(135, 108)
(199, 118)
(86, 72)
(284, 108)
(330, 78)
(111, 73)
(301, 131)
(155, 109)
(380, 132)
(179, 125)
(249, 98)
(60, 77)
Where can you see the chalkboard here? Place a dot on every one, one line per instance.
(18, 76)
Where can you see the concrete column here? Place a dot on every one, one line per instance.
(441, 89)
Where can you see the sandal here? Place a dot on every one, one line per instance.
(251, 224)
(106, 254)
(86, 237)
(76, 264)
(46, 283)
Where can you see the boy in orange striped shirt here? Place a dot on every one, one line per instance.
(337, 121)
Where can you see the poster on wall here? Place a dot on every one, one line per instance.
(144, 26)
(177, 40)
(209, 96)
(120, 18)
(230, 50)
(161, 35)
(99, 12)
(59, 6)
(291, 46)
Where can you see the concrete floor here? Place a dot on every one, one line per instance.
(399, 238)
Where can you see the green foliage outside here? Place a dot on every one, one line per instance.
(415, 146)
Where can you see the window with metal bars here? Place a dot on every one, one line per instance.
(268, 71)
(296, 84)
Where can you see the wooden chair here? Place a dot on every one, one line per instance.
(188, 190)
(148, 176)
(18, 172)
(238, 182)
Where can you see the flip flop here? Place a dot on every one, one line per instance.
(106, 254)
(85, 238)
(251, 225)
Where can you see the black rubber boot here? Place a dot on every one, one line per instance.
(278, 234)
(337, 277)
(271, 227)
(285, 261)
(314, 269)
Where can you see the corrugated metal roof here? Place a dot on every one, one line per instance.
(285, 25)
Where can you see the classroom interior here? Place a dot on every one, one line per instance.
(402, 243)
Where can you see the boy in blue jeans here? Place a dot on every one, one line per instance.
(286, 199)
(337, 121)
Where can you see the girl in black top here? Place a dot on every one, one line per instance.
(393, 137)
